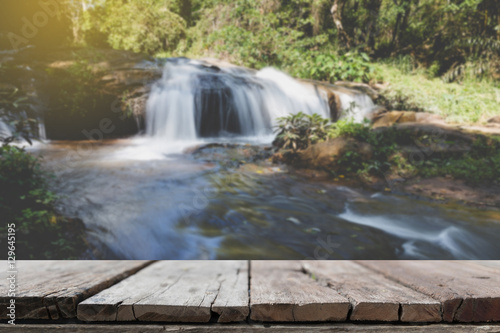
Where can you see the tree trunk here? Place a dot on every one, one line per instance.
(395, 32)
(186, 10)
(371, 26)
(401, 21)
(337, 20)
(317, 8)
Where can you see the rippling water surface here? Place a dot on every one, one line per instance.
(141, 200)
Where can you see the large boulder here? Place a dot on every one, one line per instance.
(324, 155)
(362, 87)
(383, 119)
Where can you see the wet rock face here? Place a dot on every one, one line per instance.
(86, 95)
(215, 107)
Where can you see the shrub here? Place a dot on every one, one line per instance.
(332, 67)
(26, 201)
(300, 130)
(15, 107)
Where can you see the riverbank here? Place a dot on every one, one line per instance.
(437, 161)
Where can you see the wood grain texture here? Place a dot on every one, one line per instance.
(52, 289)
(175, 291)
(468, 292)
(494, 264)
(372, 296)
(280, 291)
(250, 328)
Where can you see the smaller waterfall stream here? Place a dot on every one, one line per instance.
(5, 131)
(194, 100)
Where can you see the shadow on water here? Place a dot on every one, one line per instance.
(232, 203)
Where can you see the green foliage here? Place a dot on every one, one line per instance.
(468, 102)
(141, 25)
(15, 108)
(76, 89)
(480, 165)
(383, 144)
(257, 34)
(482, 61)
(332, 67)
(300, 130)
(26, 201)
(387, 150)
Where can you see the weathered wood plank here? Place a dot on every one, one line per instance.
(468, 292)
(372, 296)
(175, 291)
(251, 328)
(232, 302)
(495, 264)
(280, 291)
(52, 289)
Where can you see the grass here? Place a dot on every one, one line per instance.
(471, 101)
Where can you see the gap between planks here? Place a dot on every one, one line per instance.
(175, 291)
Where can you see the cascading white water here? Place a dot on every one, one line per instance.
(356, 106)
(195, 100)
(5, 131)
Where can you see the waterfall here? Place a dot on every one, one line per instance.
(5, 131)
(196, 100)
(356, 105)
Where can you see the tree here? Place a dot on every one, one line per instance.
(74, 10)
(140, 25)
(337, 20)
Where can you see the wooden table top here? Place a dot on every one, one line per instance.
(255, 292)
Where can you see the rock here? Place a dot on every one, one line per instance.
(363, 87)
(335, 105)
(429, 118)
(294, 220)
(325, 154)
(218, 63)
(494, 120)
(421, 141)
(333, 94)
(123, 80)
(435, 131)
(381, 118)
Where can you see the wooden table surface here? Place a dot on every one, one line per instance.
(255, 292)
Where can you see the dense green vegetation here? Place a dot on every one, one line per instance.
(26, 201)
(300, 130)
(322, 39)
(412, 89)
(77, 88)
(13, 104)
